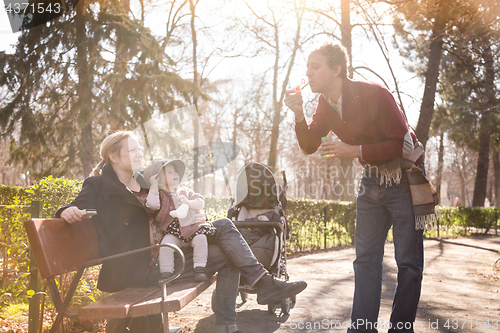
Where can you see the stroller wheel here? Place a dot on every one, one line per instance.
(213, 301)
(293, 300)
(285, 306)
(271, 308)
(244, 296)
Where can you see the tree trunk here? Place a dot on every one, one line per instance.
(118, 101)
(346, 31)
(485, 127)
(84, 90)
(346, 177)
(440, 166)
(278, 102)
(463, 195)
(196, 175)
(432, 74)
(87, 149)
(275, 132)
(496, 169)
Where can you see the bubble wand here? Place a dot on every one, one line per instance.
(302, 85)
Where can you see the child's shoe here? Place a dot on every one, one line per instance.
(200, 274)
(164, 276)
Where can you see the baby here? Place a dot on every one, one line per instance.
(176, 208)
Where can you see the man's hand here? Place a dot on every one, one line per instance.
(338, 149)
(73, 214)
(293, 101)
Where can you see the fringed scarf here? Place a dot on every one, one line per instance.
(423, 194)
(424, 197)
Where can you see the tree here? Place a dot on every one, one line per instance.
(471, 48)
(440, 12)
(486, 126)
(414, 20)
(461, 33)
(440, 125)
(59, 83)
(269, 28)
(461, 171)
(83, 89)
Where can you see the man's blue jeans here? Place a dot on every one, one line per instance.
(378, 208)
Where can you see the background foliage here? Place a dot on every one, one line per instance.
(314, 224)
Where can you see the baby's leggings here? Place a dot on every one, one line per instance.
(200, 251)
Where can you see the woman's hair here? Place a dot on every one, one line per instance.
(335, 55)
(111, 144)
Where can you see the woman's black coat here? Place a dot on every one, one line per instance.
(122, 224)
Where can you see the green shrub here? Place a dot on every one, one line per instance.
(313, 224)
(216, 207)
(306, 221)
(461, 221)
(310, 229)
(14, 243)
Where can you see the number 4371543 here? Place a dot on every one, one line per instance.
(38, 8)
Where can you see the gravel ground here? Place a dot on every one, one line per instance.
(459, 292)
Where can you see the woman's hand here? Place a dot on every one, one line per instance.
(72, 215)
(338, 149)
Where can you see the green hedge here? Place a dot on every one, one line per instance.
(216, 207)
(463, 221)
(318, 224)
(14, 246)
(306, 220)
(314, 224)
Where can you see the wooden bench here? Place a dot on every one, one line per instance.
(59, 248)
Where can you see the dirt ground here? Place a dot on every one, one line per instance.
(459, 292)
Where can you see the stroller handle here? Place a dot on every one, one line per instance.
(285, 183)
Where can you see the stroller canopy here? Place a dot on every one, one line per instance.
(256, 187)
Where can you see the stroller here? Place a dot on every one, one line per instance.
(257, 210)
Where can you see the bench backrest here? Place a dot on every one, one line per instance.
(60, 247)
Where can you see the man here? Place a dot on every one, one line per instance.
(372, 128)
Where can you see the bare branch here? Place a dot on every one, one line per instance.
(257, 16)
(373, 72)
(383, 49)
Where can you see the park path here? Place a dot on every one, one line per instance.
(458, 289)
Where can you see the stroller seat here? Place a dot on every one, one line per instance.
(261, 247)
(257, 210)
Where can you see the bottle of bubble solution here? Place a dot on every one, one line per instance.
(331, 136)
(325, 139)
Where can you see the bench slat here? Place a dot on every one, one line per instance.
(60, 247)
(138, 302)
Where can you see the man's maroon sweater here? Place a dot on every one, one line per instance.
(370, 118)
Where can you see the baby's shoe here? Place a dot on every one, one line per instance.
(164, 276)
(200, 274)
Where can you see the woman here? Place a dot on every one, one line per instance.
(123, 224)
